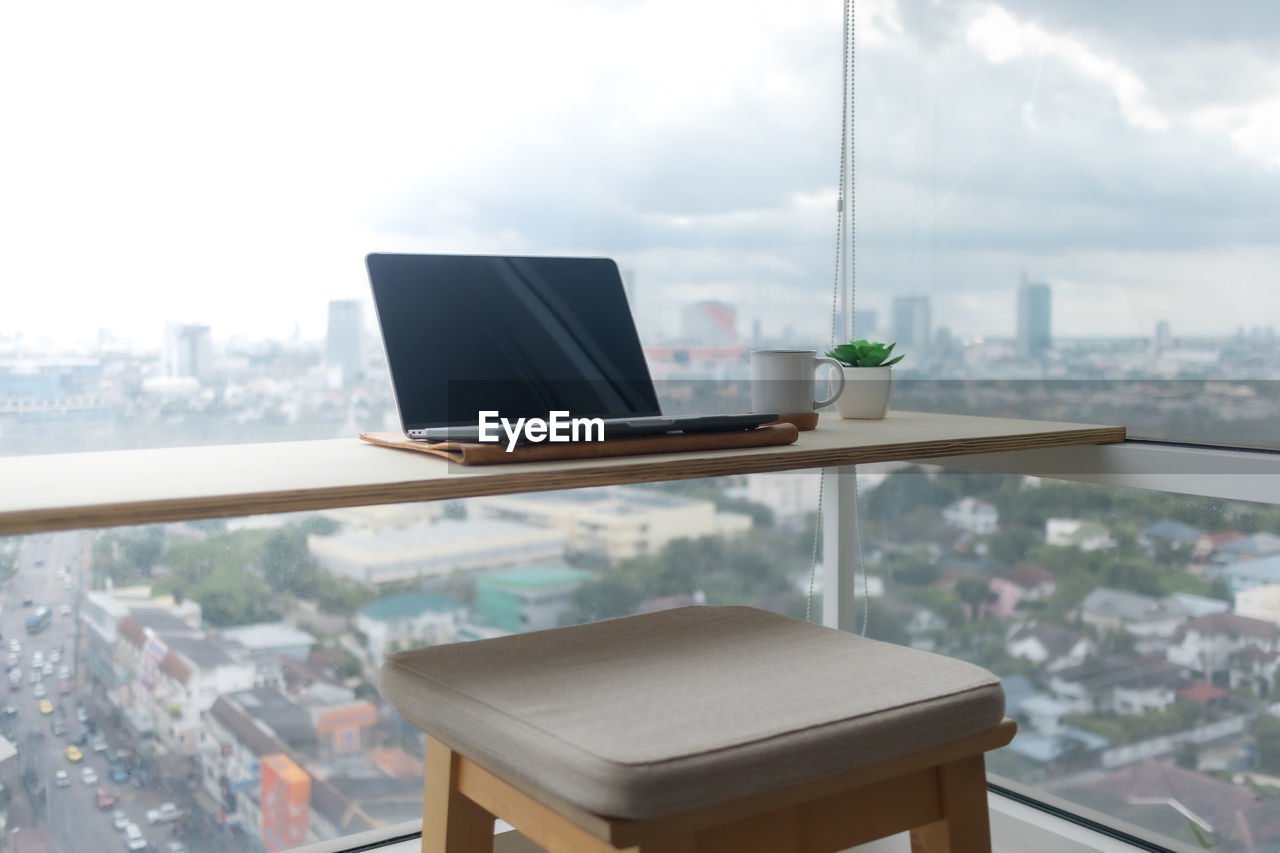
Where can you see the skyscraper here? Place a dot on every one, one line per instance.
(188, 351)
(344, 343)
(1034, 336)
(710, 323)
(912, 322)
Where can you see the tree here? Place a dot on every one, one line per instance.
(974, 593)
(1265, 729)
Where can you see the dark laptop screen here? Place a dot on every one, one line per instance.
(522, 336)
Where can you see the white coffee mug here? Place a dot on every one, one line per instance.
(783, 381)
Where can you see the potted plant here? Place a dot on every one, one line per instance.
(868, 375)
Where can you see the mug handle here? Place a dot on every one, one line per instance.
(822, 404)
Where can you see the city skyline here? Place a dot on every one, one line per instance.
(1126, 185)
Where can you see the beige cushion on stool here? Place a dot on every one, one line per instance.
(651, 715)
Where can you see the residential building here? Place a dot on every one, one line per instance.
(1049, 646)
(973, 515)
(435, 550)
(1023, 582)
(1248, 548)
(175, 677)
(1260, 602)
(1148, 619)
(407, 621)
(1170, 538)
(530, 598)
(792, 495)
(615, 523)
(245, 753)
(1204, 645)
(1182, 805)
(1118, 684)
(1078, 533)
(1248, 574)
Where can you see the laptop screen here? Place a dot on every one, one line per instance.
(520, 336)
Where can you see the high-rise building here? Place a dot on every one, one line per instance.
(1164, 337)
(912, 322)
(866, 323)
(188, 351)
(1034, 336)
(710, 323)
(344, 345)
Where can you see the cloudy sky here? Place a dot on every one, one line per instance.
(232, 163)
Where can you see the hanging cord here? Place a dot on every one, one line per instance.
(845, 228)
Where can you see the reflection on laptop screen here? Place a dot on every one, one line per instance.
(521, 336)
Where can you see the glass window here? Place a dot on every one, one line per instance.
(189, 194)
(1137, 635)
(200, 672)
(1063, 211)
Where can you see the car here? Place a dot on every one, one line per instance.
(104, 799)
(64, 687)
(174, 847)
(67, 585)
(39, 691)
(88, 775)
(15, 683)
(47, 669)
(27, 600)
(64, 671)
(119, 819)
(166, 813)
(61, 779)
(74, 755)
(64, 610)
(82, 713)
(37, 659)
(58, 727)
(10, 712)
(133, 838)
(46, 707)
(36, 732)
(12, 661)
(15, 674)
(98, 744)
(15, 646)
(55, 655)
(36, 676)
(119, 773)
(80, 738)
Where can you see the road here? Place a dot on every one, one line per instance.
(70, 818)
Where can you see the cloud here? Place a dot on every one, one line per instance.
(1001, 37)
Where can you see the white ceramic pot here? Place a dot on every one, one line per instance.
(866, 394)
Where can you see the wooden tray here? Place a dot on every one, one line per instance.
(474, 453)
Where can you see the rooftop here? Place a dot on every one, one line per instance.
(409, 605)
(546, 574)
(267, 635)
(1130, 606)
(201, 651)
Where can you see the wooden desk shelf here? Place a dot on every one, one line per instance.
(68, 491)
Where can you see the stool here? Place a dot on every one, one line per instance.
(699, 730)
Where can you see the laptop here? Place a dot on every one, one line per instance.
(519, 336)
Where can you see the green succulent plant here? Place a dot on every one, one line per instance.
(864, 354)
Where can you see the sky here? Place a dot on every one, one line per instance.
(232, 163)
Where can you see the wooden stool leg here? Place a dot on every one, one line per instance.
(966, 826)
(451, 823)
